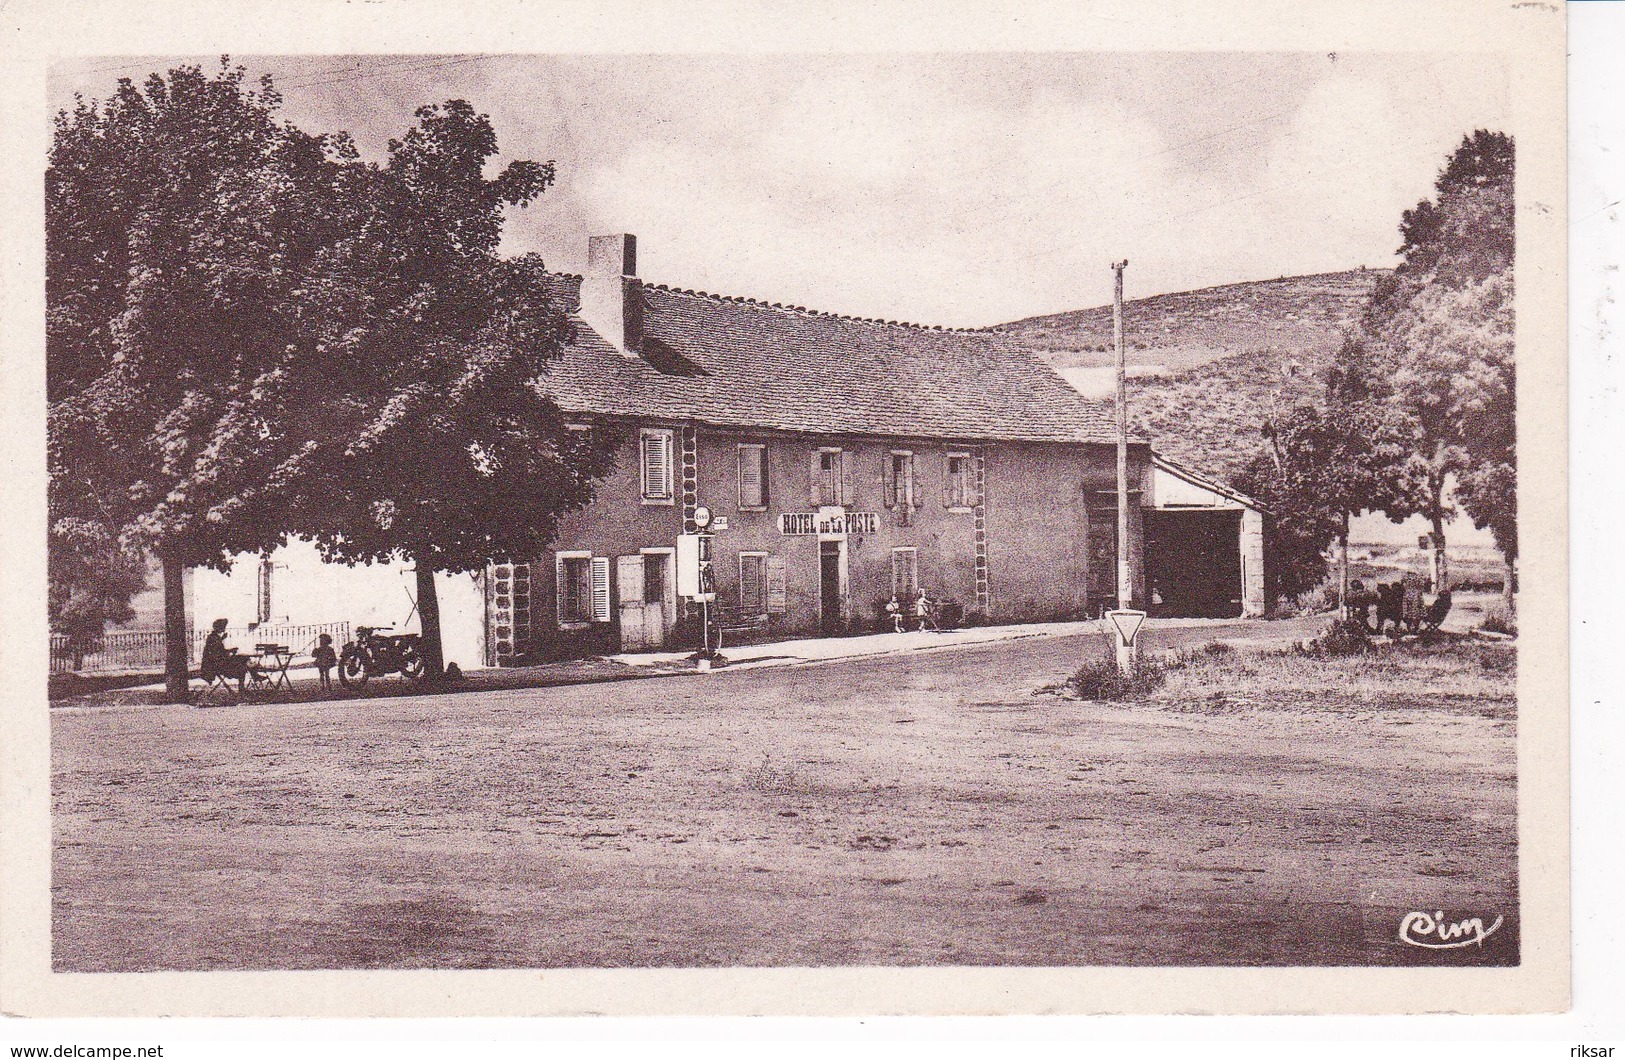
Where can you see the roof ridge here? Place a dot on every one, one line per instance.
(804, 311)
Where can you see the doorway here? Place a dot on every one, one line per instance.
(1193, 559)
(831, 620)
(647, 599)
(1102, 558)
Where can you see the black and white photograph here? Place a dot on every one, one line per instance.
(892, 509)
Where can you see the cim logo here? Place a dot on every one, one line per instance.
(1436, 933)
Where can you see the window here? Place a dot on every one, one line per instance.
(752, 477)
(583, 588)
(753, 582)
(829, 477)
(657, 470)
(959, 482)
(905, 574)
(900, 492)
(654, 578)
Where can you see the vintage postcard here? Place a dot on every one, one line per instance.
(708, 509)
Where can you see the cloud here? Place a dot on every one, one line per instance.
(959, 189)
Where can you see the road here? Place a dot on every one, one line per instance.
(915, 810)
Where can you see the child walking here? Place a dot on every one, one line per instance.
(326, 658)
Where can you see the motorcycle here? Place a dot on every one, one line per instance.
(376, 654)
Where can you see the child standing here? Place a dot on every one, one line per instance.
(326, 658)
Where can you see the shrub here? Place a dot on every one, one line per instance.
(1217, 647)
(1101, 680)
(1345, 637)
(1319, 600)
(1498, 621)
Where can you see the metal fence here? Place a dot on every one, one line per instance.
(137, 651)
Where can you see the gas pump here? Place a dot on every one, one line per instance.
(695, 580)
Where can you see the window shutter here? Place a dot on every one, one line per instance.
(600, 588)
(776, 594)
(750, 583)
(648, 461)
(656, 465)
(813, 479)
(844, 468)
(559, 588)
(751, 491)
(914, 492)
(888, 482)
(948, 482)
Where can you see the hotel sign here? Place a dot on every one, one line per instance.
(828, 523)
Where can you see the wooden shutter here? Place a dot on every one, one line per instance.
(560, 589)
(752, 462)
(888, 482)
(600, 588)
(843, 468)
(773, 576)
(948, 482)
(814, 478)
(905, 574)
(629, 579)
(656, 465)
(751, 596)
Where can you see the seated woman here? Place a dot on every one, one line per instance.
(221, 661)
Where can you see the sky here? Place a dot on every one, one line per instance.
(963, 189)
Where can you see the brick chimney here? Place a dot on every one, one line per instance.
(611, 303)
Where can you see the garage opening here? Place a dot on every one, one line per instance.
(1193, 563)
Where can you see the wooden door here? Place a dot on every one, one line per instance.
(829, 587)
(633, 611)
(1102, 559)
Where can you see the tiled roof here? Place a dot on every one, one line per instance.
(739, 363)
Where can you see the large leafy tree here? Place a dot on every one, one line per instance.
(1321, 464)
(183, 219)
(92, 579)
(450, 457)
(1442, 328)
(253, 333)
(1325, 462)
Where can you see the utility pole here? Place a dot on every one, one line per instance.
(1125, 619)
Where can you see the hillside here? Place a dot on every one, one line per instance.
(1205, 365)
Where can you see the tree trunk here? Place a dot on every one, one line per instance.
(1509, 576)
(1343, 570)
(177, 638)
(434, 657)
(1440, 572)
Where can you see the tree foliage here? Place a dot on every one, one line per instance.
(252, 333)
(449, 456)
(91, 580)
(1423, 398)
(1442, 327)
(1321, 463)
(182, 220)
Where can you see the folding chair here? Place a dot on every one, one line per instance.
(218, 684)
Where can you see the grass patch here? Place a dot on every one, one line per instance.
(1102, 680)
(1345, 637)
(1497, 620)
(1442, 670)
